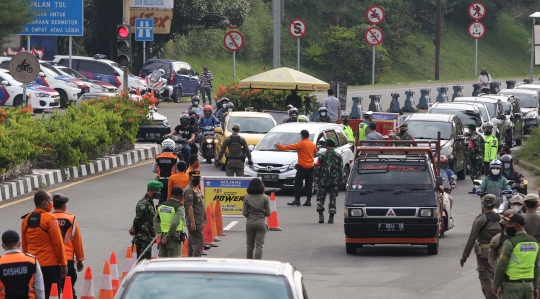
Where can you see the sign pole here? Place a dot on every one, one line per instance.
(144, 52)
(276, 9)
(125, 79)
(28, 44)
(70, 50)
(24, 95)
(532, 52)
(234, 65)
(298, 68)
(373, 67)
(476, 58)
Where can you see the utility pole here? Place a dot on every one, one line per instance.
(126, 12)
(438, 40)
(276, 15)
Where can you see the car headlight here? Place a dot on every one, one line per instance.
(530, 115)
(98, 87)
(208, 140)
(165, 123)
(71, 84)
(356, 212)
(293, 165)
(41, 94)
(425, 212)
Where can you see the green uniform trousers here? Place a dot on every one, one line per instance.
(141, 245)
(518, 290)
(195, 242)
(333, 192)
(234, 166)
(255, 240)
(476, 169)
(171, 249)
(485, 273)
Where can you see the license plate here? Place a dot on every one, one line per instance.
(391, 227)
(57, 101)
(269, 177)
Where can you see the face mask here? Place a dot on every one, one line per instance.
(517, 208)
(196, 181)
(49, 207)
(229, 109)
(323, 114)
(157, 195)
(506, 165)
(345, 122)
(195, 103)
(402, 131)
(496, 171)
(488, 132)
(511, 231)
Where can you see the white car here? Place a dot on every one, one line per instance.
(11, 93)
(276, 168)
(529, 97)
(95, 86)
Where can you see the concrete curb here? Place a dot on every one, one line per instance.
(48, 177)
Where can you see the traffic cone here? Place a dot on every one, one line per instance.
(207, 230)
(128, 264)
(106, 289)
(134, 253)
(155, 251)
(273, 223)
(185, 248)
(88, 287)
(213, 216)
(138, 91)
(67, 293)
(54, 292)
(30, 108)
(114, 273)
(219, 219)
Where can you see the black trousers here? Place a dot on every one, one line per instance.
(164, 190)
(72, 272)
(51, 274)
(486, 169)
(303, 174)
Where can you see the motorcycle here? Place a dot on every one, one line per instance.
(159, 85)
(502, 196)
(179, 144)
(207, 144)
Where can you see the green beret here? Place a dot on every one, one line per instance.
(154, 185)
(330, 140)
(471, 126)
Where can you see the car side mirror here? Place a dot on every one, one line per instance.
(4, 83)
(41, 74)
(251, 147)
(467, 134)
(218, 130)
(439, 180)
(460, 137)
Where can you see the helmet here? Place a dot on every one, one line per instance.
(508, 161)
(323, 110)
(195, 98)
(488, 125)
(167, 145)
(289, 107)
(345, 115)
(303, 119)
(230, 107)
(293, 110)
(495, 164)
(489, 200)
(443, 161)
(224, 99)
(207, 109)
(162, 71)
(184, 119)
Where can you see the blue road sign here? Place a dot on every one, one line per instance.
(59, 18)
(144, 30)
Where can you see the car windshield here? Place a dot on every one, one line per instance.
(52, 69)
(525, 100)
(260, 125)
(391, 176)
(272, 138)
(419, 129)
(484, 112)
(466, 116)
(73, 73)
(196, 285)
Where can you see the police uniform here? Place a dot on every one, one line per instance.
(166, 166)
(491, 147)
(169, 225)
(518, 267)
(485, 227)
(238, 148)
(497, 242)
(532, 219)
(363, 127)
(193, 198)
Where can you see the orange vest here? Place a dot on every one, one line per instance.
(17, 272)
(71, 234)
(166, 162)
(41, 236)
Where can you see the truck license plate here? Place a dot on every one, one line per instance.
(269, 177)
(391, 227)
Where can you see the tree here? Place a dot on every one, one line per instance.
(13, 15)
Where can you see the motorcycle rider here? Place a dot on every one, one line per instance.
(293, 115)
(194, 122)
(323, 116)
(220, 111)
(451, 176)
(303, 119)
(510, 174)
(195, 103)
(208, 120)
(346, 128)
(219, 104)
(494, 180)
(285, 118)
(187, 132)
(228, 108)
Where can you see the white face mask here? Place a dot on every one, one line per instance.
(517, 208)
(495, 171)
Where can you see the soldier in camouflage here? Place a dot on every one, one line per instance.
(142, 229)
(475, 154)
(402, 135)
(328, 174)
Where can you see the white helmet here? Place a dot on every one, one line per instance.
(167, 145)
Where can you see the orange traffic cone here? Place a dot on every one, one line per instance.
(128, 264)
(219, 219)
(134, 252)
(54, 292)
(67, 293)
(155, 251)
(185, 248)
(138, 91)
(273, 223)
(30, 108)
(213, 216)
(207, 230)
(88, 287)
(106, 289)
(115, 280)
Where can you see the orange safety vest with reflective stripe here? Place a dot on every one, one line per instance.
(17, 272)
(71, 234)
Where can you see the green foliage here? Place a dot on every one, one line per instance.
(13, 15)
(529, 151)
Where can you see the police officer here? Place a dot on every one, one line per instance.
(169, 224)
(532, 219)
(238, 150)
(497, 241)
(363, 127)
(485, 227)
(193, 201)
(346, 128)
(20, 273)
(518, 267)
(165, 166)
(491, 146)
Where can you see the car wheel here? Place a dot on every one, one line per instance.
(63, 98)
(350, 248)
(18, 101)
(346, 171)
(433, 249)
(178, 96)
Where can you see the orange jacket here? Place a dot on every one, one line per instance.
(17, 275)
(180, 179)
(166, 164)
(44, 241)
(306, 152)
(72, 235)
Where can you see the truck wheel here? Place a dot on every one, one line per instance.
(433, 249)
(350, 248)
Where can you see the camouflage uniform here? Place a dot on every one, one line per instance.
(328, 175)
(405, 136)
(143, 225)
(475, 155)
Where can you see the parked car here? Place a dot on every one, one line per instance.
(528, 101)
(95, 85)
(512, 110)
(212, 278)
(11, 93)
(424, 126)
(277, 168)
(179, 75)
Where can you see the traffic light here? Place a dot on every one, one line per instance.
(123, 45)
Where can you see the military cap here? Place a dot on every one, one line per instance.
(489, 200)
(471, 126)
(10, 236)
(516, 198)
(330, 141)
(531, 197)
(506, 214)
(195, 173)
(60, 198)
(176, 190)
(154, 185)
(236, 127)
(403, 126)
(516, 218)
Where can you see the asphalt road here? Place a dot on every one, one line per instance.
(104, 205)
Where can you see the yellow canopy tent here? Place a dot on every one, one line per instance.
(284, 79)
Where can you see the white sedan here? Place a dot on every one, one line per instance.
(11, 93)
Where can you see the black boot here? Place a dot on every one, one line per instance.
(331, 218)
(321, 217)
(473, 191)
(295, 202)
(307, 203)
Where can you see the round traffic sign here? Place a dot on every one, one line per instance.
(374, 36)
(233, 41)
(375, 15)
(297, 28)
(477, 10)
(24, 67)
(477, 30)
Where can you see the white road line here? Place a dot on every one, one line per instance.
(230, 225)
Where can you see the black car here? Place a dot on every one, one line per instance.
(424, 126)
(179, 75)
(528, 102)
(512, 111)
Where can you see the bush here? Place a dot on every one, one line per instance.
(529, 151)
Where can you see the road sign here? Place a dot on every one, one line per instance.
(477, 10)
(233, 41)
(144, 30)
(24, 67)
(297, 28)
(56, 18)
(375, 15)
(477, 30)
(374, 36)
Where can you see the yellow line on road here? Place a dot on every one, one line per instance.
(78, 182)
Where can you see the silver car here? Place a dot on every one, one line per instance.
(202, 278)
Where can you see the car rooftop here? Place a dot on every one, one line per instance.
(476, 99)
(524, 85)
(453, 105)
(250, 114)
(297, 127)
(497, 97)
(521, 90)
(430, 117)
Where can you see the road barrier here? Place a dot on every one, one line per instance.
(214, 226)
(207, 230)
(54, 292)
(425, 99)
(219, 219)
(128, 264)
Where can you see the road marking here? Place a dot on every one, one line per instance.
(230, 225)
(75, 183)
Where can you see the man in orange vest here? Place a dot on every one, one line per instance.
(20, 274)
(180, 179)
(194, 163)
(72, 237)
(41, 237)
(165, 166)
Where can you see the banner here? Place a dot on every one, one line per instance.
(152, 4)
(162, 19)
(230, 191)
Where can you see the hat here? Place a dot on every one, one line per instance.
(516, 218)
(236, 127)
(516, 199)
(489, 200)
(177, 191)
(330, 141)
(483, 68)
(471, 126)
(403, 126)
(60, 198)
(195, 173)
(154, 185)
(531, 197)
(368, 113)
(373, 126)
(506, 214)
(10, 236)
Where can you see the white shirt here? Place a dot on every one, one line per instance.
(39, 287)
(332, 105)
(484, 79)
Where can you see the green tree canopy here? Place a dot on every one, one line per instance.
(13, 15)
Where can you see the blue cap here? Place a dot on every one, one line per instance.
(10, 236)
